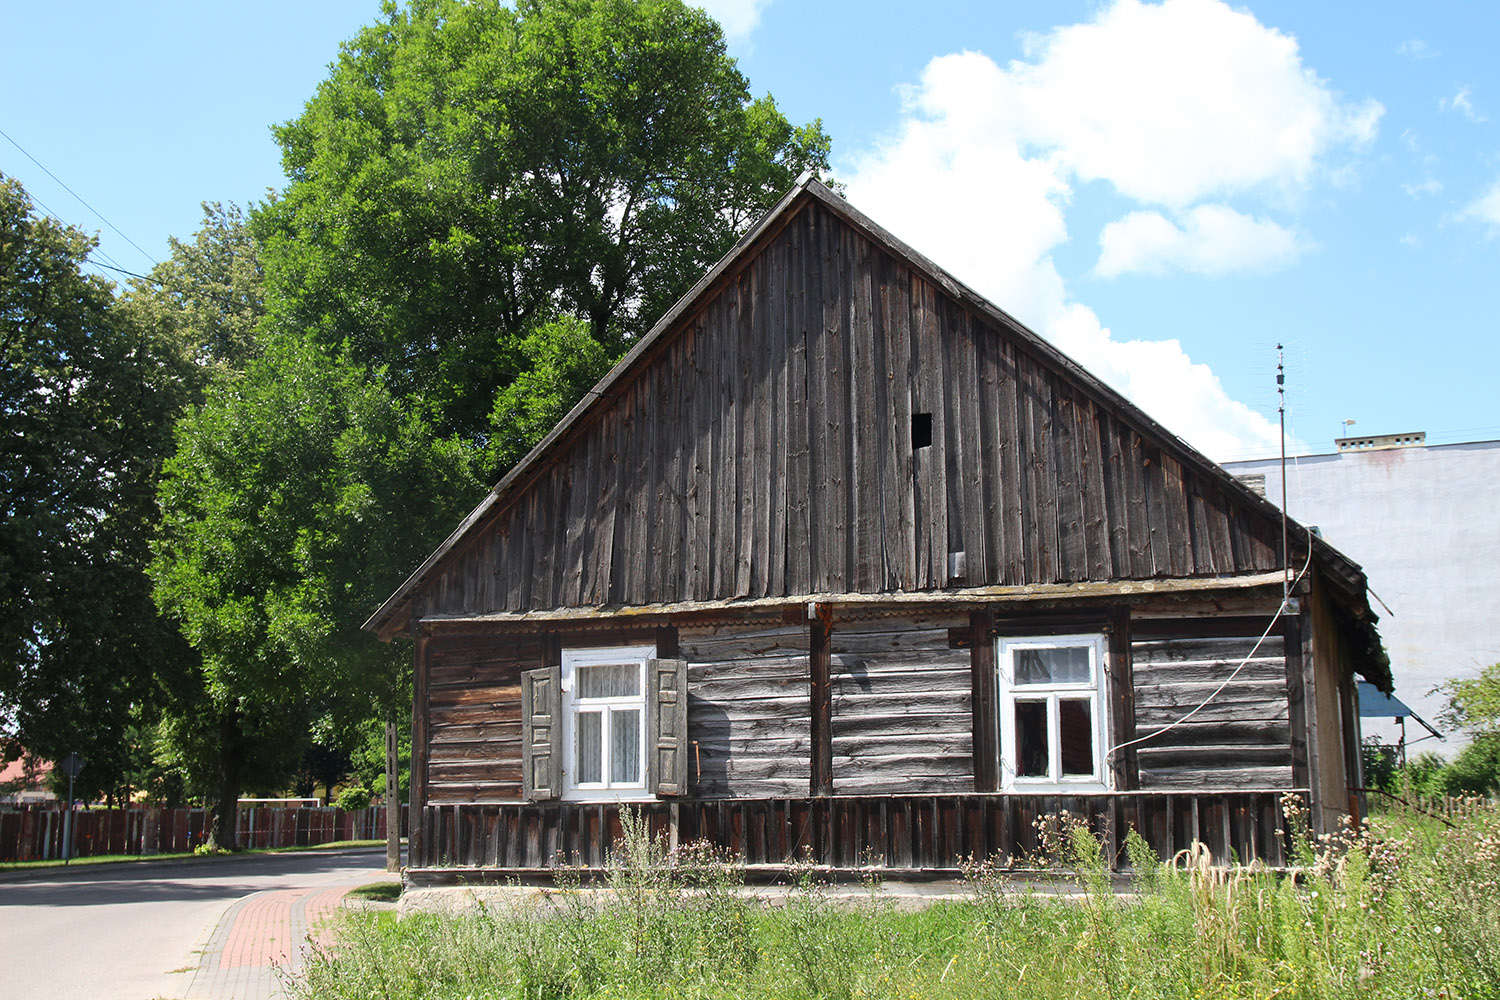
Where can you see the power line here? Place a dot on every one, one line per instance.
(75, 194)
(113, 266)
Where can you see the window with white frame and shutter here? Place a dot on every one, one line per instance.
(614, 730)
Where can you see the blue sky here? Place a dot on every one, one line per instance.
(1164, 190)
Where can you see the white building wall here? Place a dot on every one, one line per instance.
(1424, 522)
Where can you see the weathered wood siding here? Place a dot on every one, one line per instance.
(749, 709)
(474, 716)
(902, 714)
(765, 449)
(1242, 738)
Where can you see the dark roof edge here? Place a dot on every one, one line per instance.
(1346, 574)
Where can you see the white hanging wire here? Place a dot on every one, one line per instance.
(1285, 602)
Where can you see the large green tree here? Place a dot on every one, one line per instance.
(300, 494)
(87, 399)
(471, 169)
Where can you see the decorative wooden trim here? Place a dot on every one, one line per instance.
(976, 598)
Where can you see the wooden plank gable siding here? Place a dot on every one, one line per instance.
(1240, 739)
(766, 450)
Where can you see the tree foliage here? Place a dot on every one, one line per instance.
(300, 493)
(87, 398)
(470, 169)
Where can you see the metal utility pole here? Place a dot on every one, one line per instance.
(1286, 555)
(72, 764)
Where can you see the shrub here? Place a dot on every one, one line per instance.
(353, 798)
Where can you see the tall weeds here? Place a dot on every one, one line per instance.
(1394, 910)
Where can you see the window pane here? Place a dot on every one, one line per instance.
(1031, 739)
(1075, 719)
(590, 747)
(625, 752)
(611, 680)
(1057, 665)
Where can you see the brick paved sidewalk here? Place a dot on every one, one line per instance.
(261, 940)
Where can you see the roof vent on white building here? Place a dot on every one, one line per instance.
(1380, 442)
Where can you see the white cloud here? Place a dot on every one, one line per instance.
(738, 18)
(1172, 105)
(1485, 208)
(1429, 186)
(1412, 240)
(1415, 48)
(1460, 102)
(1177, 102)
(1213, 240)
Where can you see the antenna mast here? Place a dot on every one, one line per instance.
(1286, 556)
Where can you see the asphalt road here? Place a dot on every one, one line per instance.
(132, 931)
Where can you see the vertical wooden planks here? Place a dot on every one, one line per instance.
(832, 438)
(821, 693)
(1098, 563)
(1124, 767)
(863, 484)
(417, 784)
(1072, 553)
(899, 469)
(799, 452)
(986, 702)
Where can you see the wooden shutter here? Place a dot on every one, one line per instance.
(666, 725)
(541, 733)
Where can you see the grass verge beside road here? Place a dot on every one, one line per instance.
(111, 859)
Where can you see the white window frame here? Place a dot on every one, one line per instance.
(607, 790)
(1095, 689)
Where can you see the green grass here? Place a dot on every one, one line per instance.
(109, 859)
(1398, 911)
(377, 892)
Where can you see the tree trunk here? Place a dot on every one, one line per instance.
(225, 833)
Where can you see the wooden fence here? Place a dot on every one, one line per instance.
(36, 834)
(899, 833)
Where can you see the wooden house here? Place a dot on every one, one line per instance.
(841, 561)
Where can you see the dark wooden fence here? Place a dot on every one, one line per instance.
(36, 834)
(900, 833)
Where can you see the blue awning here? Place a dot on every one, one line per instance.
(1376, 704)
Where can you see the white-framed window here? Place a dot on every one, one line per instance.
(1052, 701)
(604, 722)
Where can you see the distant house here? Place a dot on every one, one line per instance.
(841, 561)
(23, 781)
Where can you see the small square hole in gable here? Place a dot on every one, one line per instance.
(921, 430)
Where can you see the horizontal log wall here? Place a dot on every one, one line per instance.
(900, 833)
(902, 714)
(749, 712)
(1241, 738)
(765, 449)
(474, 715)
